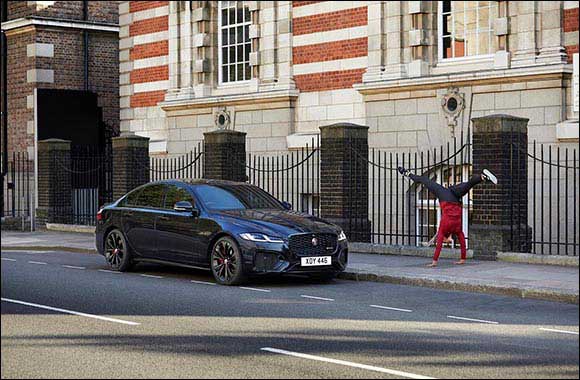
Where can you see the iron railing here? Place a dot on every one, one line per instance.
(17, 186)
(291, 177)
(187, 166)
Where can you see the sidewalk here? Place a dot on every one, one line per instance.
(545, 282)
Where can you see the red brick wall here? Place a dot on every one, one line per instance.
(330, 80)
(147, 99)
(570, 20)
(98, 11)
(136, 6)
(153, 49)
(150, 74)
(301, 3)
(330, 51)
(330, 21)
(18, 90)
(152, 25)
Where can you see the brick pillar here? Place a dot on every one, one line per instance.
(54, 182)
(500, 212)
(225, 155)
(344, 191)
(130, 163)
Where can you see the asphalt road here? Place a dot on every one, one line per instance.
(166, 323)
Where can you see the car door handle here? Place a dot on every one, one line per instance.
(128, 213)
(163, 217)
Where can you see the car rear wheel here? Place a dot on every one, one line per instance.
(226, 262)
(117, 252)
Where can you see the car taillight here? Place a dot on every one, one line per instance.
(100, 215)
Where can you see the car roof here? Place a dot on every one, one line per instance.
(194, 182)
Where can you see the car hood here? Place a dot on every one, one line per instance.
(281, 222)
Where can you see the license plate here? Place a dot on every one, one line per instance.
(315, 261)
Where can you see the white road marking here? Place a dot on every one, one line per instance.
(203, 282)
(559, 331)
(392, 308)
(473, 320)
(345, 363)
(256, 290)
(108, 271)
(65, 311)
(73, 267)
(36, 262)
(317, 298)
(150, 276)
(6, 259)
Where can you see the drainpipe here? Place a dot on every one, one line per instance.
(86, 45)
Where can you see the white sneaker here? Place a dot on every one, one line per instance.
(489, 176)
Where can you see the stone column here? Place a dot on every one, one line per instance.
(500, 212)
(526, 31)
(54, 182)
(225, 155)
(344, 185)
(130, 163)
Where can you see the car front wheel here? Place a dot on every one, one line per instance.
(226, 262)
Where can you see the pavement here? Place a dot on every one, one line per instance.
(64, 315)
(546, 282)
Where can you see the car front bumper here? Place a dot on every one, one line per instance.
(273, 258)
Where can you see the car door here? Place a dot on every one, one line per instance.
(177, 231)
(139, 220)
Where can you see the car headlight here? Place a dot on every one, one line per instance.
(341, 236)
(261, 238)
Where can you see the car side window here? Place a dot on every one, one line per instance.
(176, 194)
(151, 196)
(131, 198)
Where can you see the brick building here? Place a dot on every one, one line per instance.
(62, 71)
(282, 69)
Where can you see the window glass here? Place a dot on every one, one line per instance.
(467, 28)
(236, 197)
(176, 194)
(151, 196)
(234, 41)
(131, 199)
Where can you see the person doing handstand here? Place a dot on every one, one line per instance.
(451, 209)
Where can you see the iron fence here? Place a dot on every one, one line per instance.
(291, 177)
(402, 212)
(187, 166)
(17, 186)
(552, 200)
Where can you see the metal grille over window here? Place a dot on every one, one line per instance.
(466, 28)
(234, 42)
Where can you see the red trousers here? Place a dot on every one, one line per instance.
(451, 224)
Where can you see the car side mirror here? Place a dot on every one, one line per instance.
(287, 205)
(183, 206)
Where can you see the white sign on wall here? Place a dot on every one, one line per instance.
(575, 82)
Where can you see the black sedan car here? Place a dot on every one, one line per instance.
(236, 230)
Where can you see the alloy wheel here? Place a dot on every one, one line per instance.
(115, 249)
(224, 261)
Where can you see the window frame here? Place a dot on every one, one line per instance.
(221, 82)
(467, 58)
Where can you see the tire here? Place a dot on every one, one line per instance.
(117, 252)
(226, 262)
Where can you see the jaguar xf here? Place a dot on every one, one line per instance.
(236, 230)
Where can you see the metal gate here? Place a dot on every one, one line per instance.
(292, 177)
(91, 181)
(402, 212)
(17, 186)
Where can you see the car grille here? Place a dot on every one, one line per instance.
(302, 244)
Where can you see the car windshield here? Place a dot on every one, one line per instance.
(236, 197)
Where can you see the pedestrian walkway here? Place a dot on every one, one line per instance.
(522, 280)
